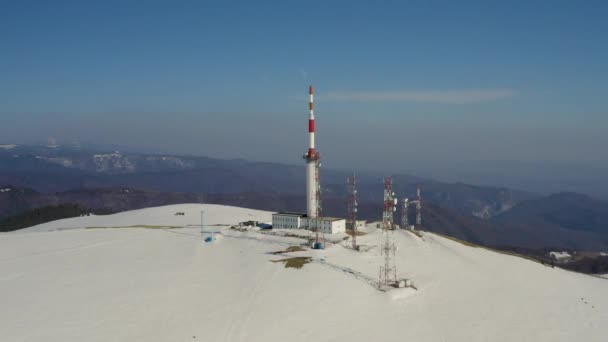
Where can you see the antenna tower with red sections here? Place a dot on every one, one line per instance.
(388, 272)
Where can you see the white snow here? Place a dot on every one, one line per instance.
(5, 190)
(108, 155)
(175, 161)
(66, 162)
(60, 282)
(560, 256)
(7, 146)
(112, 161)
(483, 212)
(160, 216)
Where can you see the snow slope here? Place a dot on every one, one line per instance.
(161, 216)
(61, 282)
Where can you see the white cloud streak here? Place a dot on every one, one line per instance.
(423, 96)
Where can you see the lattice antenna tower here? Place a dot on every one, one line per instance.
(390, 205)
(404, 212)
(352, 207)
(388, 272)
(418, 208)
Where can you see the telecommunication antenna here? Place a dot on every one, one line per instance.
(388, 272)
(404, 219)
(418, 208)
(418, 203)
(202, 223)
(390, 205)
(352, 207)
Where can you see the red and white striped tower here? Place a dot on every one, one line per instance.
(312, 157)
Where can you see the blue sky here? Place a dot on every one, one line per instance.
(397, 82)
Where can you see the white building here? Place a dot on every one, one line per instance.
(327, 225)
(290, 220)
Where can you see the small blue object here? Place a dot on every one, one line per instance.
(209, 239)
(318, 245)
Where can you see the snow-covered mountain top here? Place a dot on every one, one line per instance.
(160, 216)
(61, 282)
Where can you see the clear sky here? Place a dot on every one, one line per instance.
(396, 81)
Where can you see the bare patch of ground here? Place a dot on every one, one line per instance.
(295, 262)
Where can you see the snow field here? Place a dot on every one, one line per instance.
(61, 282)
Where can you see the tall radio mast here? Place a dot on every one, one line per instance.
(388, 272)
(352, 207)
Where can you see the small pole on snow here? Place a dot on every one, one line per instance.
(202, 222)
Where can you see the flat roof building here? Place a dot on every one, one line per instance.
(288, 220)
(327, 225)
(293, 220)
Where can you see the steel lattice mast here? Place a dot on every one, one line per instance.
(352, 206)
(418, 208)
(388, 272)
(404, 212)
(418, 203)
(389, 204)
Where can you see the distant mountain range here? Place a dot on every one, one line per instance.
(539, 230)
(57, 169)
(36, 176)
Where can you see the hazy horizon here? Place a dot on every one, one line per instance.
(536, 177)
(397, 85)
